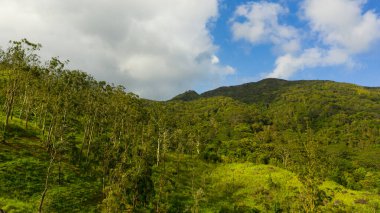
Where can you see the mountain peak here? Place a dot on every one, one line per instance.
(189, 95)
(263, 91)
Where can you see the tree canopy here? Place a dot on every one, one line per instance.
(72, 143)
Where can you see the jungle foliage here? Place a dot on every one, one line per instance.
(70, 143)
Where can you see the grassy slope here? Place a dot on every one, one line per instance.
(23, 167)
(268, 188)
(214, 187)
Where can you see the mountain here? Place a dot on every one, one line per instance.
(262, 91)
(266, 90)
(189, 95)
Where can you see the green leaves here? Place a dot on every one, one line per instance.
(115, 152)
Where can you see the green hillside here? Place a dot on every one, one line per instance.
(269, 90)
(263, 91)
(69, 143)
(187, 96)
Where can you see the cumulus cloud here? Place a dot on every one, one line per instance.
(288, 64)
(339, 30)
(155, 48)
(343, 24)
(258, 22)
(344, 30)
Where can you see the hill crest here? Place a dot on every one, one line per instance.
(263, 91)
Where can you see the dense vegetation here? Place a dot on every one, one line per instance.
(70, 143)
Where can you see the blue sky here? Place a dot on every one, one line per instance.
(251, 60)
(160, 48)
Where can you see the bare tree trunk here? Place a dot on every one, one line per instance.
(44, 123)
(158, 150)
(48, 138)
(22, 107)
(9, 110)
(89, 141)
(83, 142)
(27, 116)
(46, 182)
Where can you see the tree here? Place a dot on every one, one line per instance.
(18, 61)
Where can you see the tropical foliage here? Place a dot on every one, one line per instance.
(70, 143)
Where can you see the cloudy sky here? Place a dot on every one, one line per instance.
(159, 48)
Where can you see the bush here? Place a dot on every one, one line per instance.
(15, 206)
(73, 198)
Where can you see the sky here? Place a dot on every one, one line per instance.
(160, 48)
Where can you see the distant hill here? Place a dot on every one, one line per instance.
(266, 90)
(187, 96)
(262, 91)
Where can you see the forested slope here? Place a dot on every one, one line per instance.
(269, 90)
(70, 143)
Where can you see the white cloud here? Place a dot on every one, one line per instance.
(288, 64)
(228, 70)
(343, 29)
(155, 48)
(215, 59)
(342, 23)
(339, 30)
(260, 24)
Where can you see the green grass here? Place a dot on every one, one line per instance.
(354, 201)
(190, 184)
(249, 186)
(266, 188)
(23, 166)
(16, 206)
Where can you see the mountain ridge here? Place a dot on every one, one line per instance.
(263, 91)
